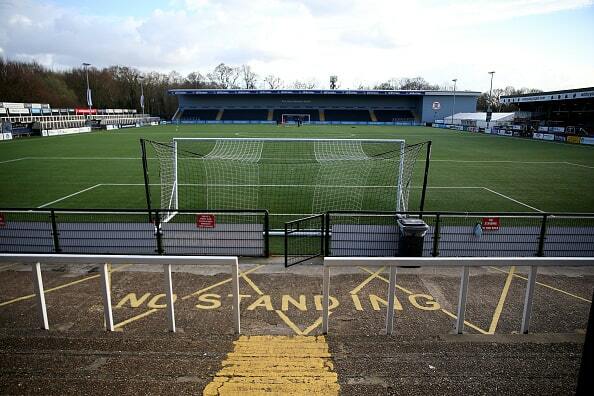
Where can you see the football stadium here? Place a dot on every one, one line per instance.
(170, 235)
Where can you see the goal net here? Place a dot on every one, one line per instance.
(290, 178)
(295, 118)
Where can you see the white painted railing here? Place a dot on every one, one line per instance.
(167, 261)
(464, 262)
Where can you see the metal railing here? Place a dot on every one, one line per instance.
(464, 234)
(167, 261)
(464, 262)
(134, 231)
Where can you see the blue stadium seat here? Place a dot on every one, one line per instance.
(245, 115)
(347, 115)
(393, 115)
(199, 115)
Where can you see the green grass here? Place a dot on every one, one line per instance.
(489, 173)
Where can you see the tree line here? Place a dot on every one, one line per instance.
(116, 87)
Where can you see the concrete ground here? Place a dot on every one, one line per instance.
(424, 356)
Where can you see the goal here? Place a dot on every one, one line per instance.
(295, 118)
(289, 177)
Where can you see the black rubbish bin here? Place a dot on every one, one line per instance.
(412, 235)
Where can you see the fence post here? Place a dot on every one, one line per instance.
(38, 285)
(169, 295)
(543, 233)
(391, 291)
(462, 301)
(322, 233)
(325, 299)
(436, 234)
(236, 301)
(327, 236)
(106, 289)
(266, 234)
(57, 248)
(286, 247)
(528, 300)
(158, 233)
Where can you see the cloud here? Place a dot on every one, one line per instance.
(359, 40)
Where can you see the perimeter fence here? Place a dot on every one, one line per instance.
(248, 233)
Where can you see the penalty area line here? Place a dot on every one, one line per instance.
(13, 160)
(514, 200)
(68, 196)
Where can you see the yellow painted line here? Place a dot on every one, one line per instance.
(288, 365)
(545, 285)
(152, 311)
(132, 319)
(387, 281)
(442, 309)
(198, 292)
(58, 287)
(288, 322)
(367, 280)
(501, 301)
(313, 326)
(445, 311)
(252, 284)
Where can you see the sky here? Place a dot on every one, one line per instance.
(543, 44)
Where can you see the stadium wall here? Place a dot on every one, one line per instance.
(464, 104)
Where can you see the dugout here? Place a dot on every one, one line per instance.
(373, 107)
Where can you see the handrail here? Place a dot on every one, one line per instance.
(36, 259)
(464, 262)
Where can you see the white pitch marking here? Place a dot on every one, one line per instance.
(580, 165)
(283, 185)
(85, 158)
(13, 160)
(514, 200)
(68, 196)
(505, 162)
(420, 160)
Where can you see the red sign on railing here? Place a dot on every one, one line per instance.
(490, 223)
(2, 220)
(205, 221)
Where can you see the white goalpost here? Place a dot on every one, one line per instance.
(289, 177)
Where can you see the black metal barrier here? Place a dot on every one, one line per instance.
(130, 231)
(460, 234)
(247, 233)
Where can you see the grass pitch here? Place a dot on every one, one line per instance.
(469, 172)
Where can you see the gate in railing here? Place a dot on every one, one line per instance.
(304, 239)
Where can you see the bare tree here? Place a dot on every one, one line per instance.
(249, 78)
(225, 76)
(384, 86)
(310, 84)
(273, 82)
(196, 80)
